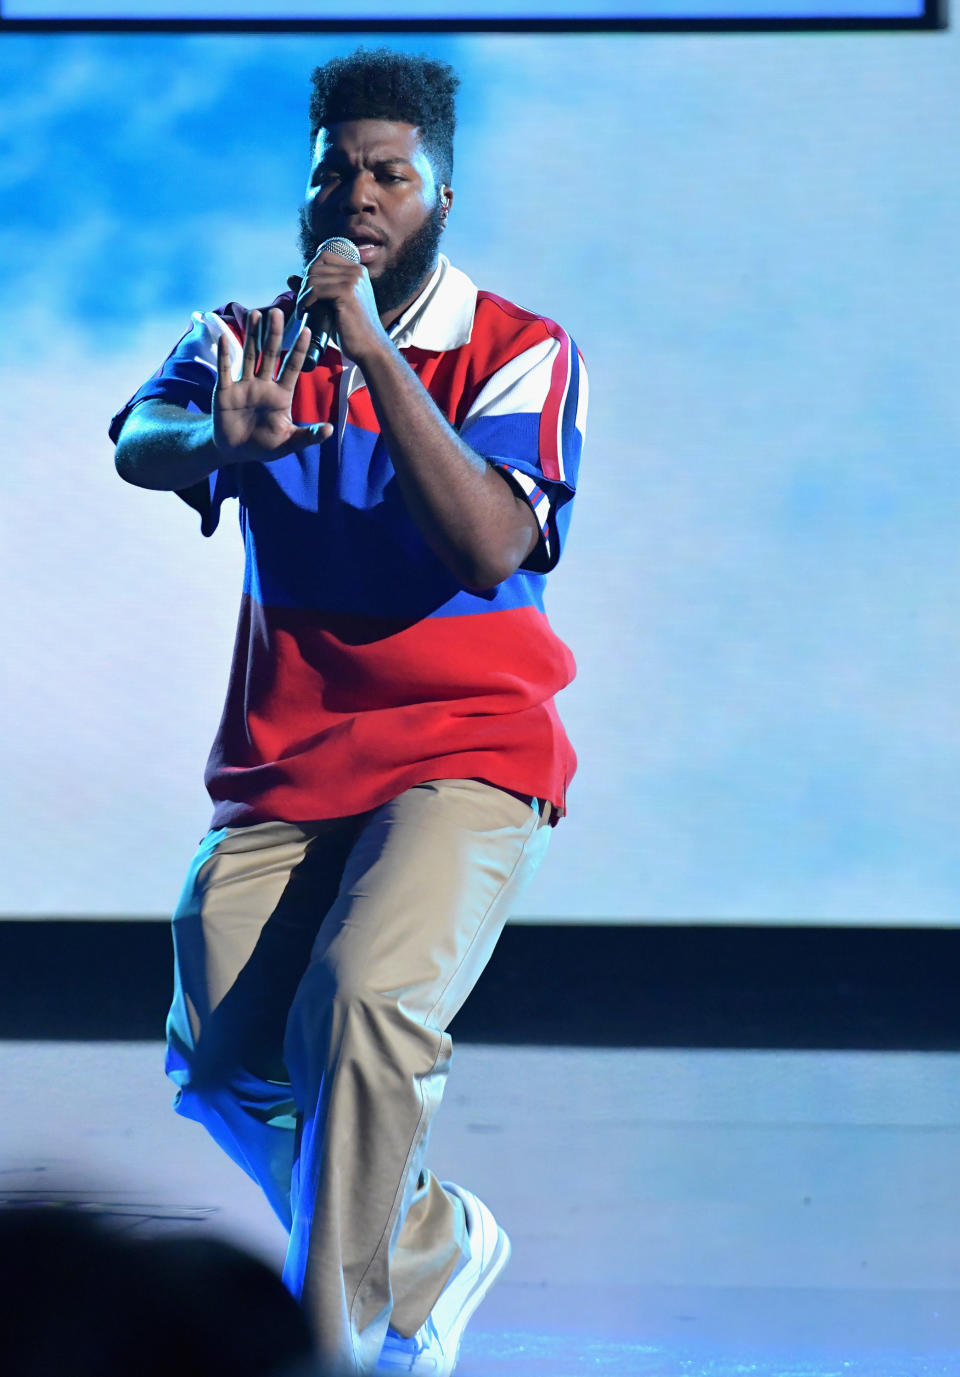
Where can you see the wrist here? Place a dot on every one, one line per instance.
(375, 355)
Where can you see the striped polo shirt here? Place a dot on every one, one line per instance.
(361, 666)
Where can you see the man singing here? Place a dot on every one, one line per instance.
(390, 761)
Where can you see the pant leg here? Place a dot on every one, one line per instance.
(426, 889)
(249, 913)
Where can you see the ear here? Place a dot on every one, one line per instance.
(446, 201)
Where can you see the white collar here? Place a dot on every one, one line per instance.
(441, 318)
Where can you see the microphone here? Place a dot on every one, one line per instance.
(320, 317)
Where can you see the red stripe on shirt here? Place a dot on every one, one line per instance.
(549, 439)
(328, 716)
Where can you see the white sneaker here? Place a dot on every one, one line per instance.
(421, 1354)
(433, 1350)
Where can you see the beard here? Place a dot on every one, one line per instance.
(414, 261)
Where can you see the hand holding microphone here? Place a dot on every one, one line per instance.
(321, 316)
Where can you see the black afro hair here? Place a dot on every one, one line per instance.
(380, 84)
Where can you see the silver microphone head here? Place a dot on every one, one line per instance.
(346, 248)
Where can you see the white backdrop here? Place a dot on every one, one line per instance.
(753, 239)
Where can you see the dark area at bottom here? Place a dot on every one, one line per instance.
(590, 985)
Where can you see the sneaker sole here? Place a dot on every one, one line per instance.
(498, 1259)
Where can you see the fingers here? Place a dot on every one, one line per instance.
(271, 335)
(224, 367)
(293, 363)
(310, 435)
(305, 297)
(329, 278)
(261, 349)
(251, 347)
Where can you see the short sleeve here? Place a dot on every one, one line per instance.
(529, 421)
(186, 378)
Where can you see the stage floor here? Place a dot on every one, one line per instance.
(673, 1213)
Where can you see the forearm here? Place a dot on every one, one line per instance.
(468, 514)
(166, 448)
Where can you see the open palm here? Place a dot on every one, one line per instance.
(252, 414)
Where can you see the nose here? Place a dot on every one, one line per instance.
(358, 193)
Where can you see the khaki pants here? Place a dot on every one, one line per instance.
(318, 966)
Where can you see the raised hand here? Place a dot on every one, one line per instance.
(251, 416)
